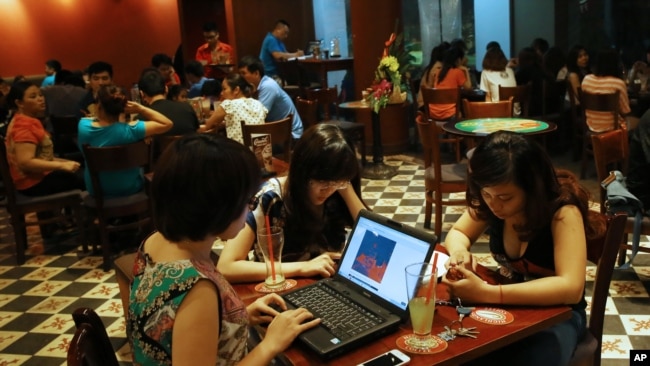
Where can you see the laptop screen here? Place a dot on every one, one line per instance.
(376, 255)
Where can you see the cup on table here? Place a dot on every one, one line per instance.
(270, 242)
(421, 281)
(364, 96)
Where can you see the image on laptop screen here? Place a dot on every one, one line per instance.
(376, 256)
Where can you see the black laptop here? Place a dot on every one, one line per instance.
(367, 296)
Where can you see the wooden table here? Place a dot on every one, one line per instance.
(377, 169)
(528, 320)
(483, 126)
(322, 66)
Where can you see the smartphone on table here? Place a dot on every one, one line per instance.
(393, 357)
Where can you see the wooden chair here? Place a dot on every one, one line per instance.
(90, 345)
(327, 100)
(280, 132)
(18, 205)
(595, 103)
(520, 95)
(487, 109)
(611, 151)
(111, 211)
(160, 144)
(308, 111)
(439, 179)
(601, 251)
(444, 96)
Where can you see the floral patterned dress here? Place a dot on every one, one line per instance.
(156, 294)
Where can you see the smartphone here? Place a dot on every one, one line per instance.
(391, 358)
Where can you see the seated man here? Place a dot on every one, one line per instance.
(51, 68)
(63, 98)
(99, 73)
(165, 65)
(152, 90)
(196, 78)
(276, 100)
(274, 50)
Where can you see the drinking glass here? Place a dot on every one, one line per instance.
(421, 288)
(270, 242)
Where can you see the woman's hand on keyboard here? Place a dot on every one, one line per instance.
(286, 327)
(322, 265)
(265, 308)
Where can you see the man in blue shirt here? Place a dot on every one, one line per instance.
(51, 68)
(274, 50)
(270, 94)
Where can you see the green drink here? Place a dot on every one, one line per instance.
(422, 314)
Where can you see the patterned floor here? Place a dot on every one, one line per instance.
(37, 298)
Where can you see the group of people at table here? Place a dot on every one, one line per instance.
(183, 309)
(538, 64)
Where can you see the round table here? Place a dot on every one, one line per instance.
(377, 169)
(483, 126)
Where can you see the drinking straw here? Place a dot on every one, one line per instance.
(269, 242)
(433, 278)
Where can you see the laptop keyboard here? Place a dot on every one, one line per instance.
(340, 315)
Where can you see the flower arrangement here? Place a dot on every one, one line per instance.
(389, 75)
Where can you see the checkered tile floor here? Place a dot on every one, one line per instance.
(38, 298)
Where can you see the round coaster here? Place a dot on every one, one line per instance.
(434, 345)
(492, 316)
(288, 283)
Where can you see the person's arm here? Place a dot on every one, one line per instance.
(155, 122)
(215, 120)
(574, 84)
(565, 287)
(485, 86)
(467, 83)
(461, 236)
(235, 266)
(27, 161)
(280, 56)
(195, 337)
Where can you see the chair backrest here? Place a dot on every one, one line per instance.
(113, 158)
(327, 101)
(280, 132)
(601, 103)
(603, 252)
(611, 151)
(429, 133)
(519, 94)
(440, 96)
(90, 345)
(161, 143)
(308, 111)
(8, 182)
(487, 109)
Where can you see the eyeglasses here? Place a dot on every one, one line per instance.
(328, 184)
(253, 202)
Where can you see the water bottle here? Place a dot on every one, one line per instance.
(135, 93)
(334, 47)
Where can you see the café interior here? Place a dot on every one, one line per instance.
(38, 297)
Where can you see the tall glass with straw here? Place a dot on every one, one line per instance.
(421, 287)
(270, 241)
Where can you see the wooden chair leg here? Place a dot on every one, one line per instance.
(362, 147)
(583, 163)
(20, 236)
(106, 245)
(622, 252)
(428, 207)
(438, 218)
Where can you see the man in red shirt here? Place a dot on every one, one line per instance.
(214, 52)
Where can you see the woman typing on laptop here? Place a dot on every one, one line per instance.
(538, 221)
(181, 310)
(313, 205)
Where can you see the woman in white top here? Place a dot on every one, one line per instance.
(495, 73)
(236, 106)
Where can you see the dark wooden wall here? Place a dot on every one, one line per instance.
(372, 22)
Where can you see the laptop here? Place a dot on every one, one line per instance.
(371, 278)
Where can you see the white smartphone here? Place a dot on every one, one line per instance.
(393, 357)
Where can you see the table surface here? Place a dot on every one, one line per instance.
(485, 126)
(355, 104)
(527, 321)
